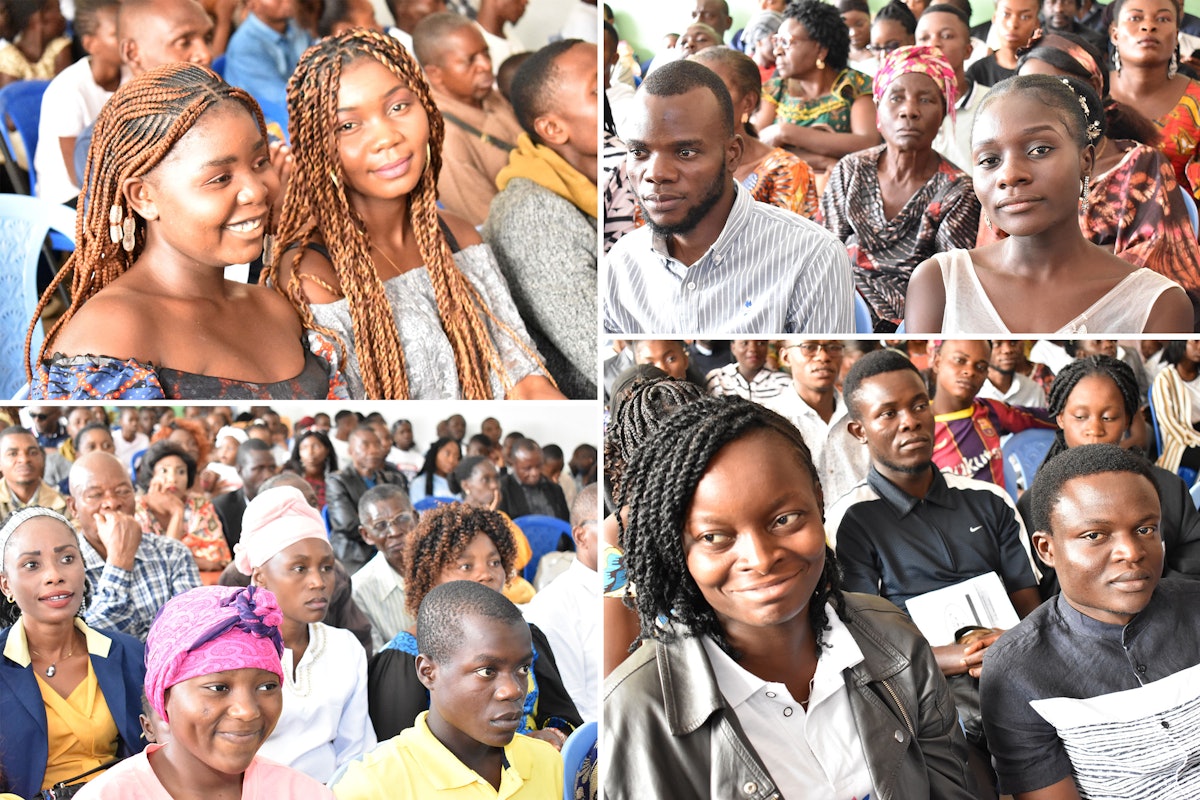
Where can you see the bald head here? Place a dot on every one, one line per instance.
(152, 33)
(433, 36)
(94, 466)
(585, 523)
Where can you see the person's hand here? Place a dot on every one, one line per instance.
(552, 735)
(164, 499)
(206, 482)
(977, 642)
(121, 535)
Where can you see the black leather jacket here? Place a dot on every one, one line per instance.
(668, 732)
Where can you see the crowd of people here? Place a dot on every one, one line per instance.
(407, 284)
(187, 614)
(1032, 175)
(818, 626)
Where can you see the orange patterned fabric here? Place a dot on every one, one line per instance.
(1180, 129)
(203, 534)
(784, 179)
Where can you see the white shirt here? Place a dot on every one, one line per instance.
(72, 102)
(407, 461)
(126, 450)
(841, 460)
(1023, 392)
(379, 592)
(568, 612)
(342, 450)
(816, 754)
(501, 48)
(324, 722)
(953, 140)
(582, 22)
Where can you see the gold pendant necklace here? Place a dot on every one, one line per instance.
(53, 668)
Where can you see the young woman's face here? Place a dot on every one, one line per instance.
(753, 536)
(218, 721)
(209, 198)
(447, 458)
(1145, 31)
(479, 561)
(859, 26)
(1094, 413)
(172, 473)
(481, 487)
(43, 570)
(381, 131)
(1027, 167)
(301, 576)
(313, 455)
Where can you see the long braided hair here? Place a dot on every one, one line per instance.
(1069, 377)
(659, 484)
(317, 204)
(135, 131)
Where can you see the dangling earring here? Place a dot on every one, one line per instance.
(1116, 60)
(1173, 65)
(987, 220)
(114, 223)
(130, 227)
(820, 63)
(1083, 195)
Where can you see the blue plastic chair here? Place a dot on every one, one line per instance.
(275, 112)
(24, 224)
(862, 315)
(1025, 451)
(579, 744)
(432, 501)
(21, 102)
(544, 534)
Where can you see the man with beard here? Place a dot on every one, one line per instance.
(1004, 379)
(710, 258)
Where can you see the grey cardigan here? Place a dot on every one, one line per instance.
(668, 731)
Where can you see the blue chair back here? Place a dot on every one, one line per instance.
(576, 773)
(1025, 451)
(433, 501)
(1189, 203)
(862, 315)
(277, 113)
(1195, 490)
(21, 102)
(24, 224)
(544, 534)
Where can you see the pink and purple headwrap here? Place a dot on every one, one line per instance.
(211, 629)
(923, 60)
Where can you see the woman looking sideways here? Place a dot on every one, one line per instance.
(179, 185)
(755, 669)
(69, 694)
(414, 297)
(440, 460)
(1033, 153)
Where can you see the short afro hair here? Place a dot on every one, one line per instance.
(874, 363)
(447, 608)
(681, 77)
(824, 25)
(536, 84)
(1079, 462)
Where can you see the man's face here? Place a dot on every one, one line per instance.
(713, 13)
(1098, 347)
(322, 423)
(464, 70)
(458, 426)
(403, 437)
(750, 354)
(1105, 545)
(582, 460)
(578, 94)
(45, 419)
(386, 524)
(679, 158)
(527, 465)
(147, 417)
(669, 356)
(273, 12)
(960, 368)
(256, 468)
(104, 487)
(815, 365)
(491, 429)
(895, 420)
(409, 12)
(1006, 355)
(170, 32)
(22, 461)
(366, 451)
(1060, 14)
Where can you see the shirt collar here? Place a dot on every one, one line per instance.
(16, 649)
(901, 501)
(446, 772)
(722, 247)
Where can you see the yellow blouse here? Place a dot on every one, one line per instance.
(81, 730)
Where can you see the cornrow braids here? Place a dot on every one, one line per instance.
(318, 182)
(1069, 377)
(660, 482)
(135, 131)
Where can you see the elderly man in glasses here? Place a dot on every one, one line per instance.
(386, 517)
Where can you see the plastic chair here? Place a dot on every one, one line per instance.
(135, 463)
(433, 501)
(1025, 451)
(24, 223)
(325, 519)
(276, 113)
(862, 315)
(575, 750)
(544, 534)
(21, 102)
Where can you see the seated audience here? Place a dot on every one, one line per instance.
(386, 517)
(894, 27)
(132, 574)
(255, 464)
(816, 106)
(457, 542)
(340, 16)
(413, 320)
(1006, 379)
(1014, 21)
(168, 507)
(949, 29)
(696, 38)
(314, 460)
(758, 39)
(1088, 695)
(477, 482)
(34, 47)
(73, 99)
(221, 676)
(1176, 400)
(134, 324)
(542, 224)
(748, 376)
(1059, 18)
(68, 693)
(440, 460)
(738, 594)
(344, 490)
(285, 550)
(711, 258)
(525, 490)
(900, 203)
(467, 743)
(856, 15)
(772, 175)
(131, 439)
(1004, 287)
(404, 454)
(264, 50)
(22, 466)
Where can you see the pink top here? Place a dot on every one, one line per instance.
(264, 780)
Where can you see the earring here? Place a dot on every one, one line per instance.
(1116, 60)
(333, 177)
(114, 223)
(1083, 196)
(428, 156)
(820, 63)
(1173, 66)
(268, 253)
(987, 221)
(130, 228)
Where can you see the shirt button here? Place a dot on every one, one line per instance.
(1142, 668)
(899, 736)
(750, 788)
(770, 694)
(691, 284)
(787, 712)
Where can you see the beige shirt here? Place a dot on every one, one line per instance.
(469, 164)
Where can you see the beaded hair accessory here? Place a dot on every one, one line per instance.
(1093, 127)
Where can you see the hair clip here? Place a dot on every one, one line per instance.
(1093, 130)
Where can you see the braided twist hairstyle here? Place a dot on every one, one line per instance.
(659, 483)
(317, 203)
(135, 131)
(1069, 377)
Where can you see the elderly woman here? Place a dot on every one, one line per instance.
(69, 694)
(771, 174)
(1144, 76)
(816, 106)
(897, 204)
(212, 677)
(759, 41)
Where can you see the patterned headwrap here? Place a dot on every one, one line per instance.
(19, 518)
(924, 60)
(1081, 57)
(211, 629)
(274, 520)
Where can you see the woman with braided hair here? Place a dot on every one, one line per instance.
(415, 298)
(178, 186)
(756, 671)
(1095, 400)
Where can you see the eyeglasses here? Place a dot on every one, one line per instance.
(39, 417)
(882, 49)
(810, 349)
(401, 523)
(789, 42)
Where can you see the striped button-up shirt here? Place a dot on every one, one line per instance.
(769, 272)
(766, 383)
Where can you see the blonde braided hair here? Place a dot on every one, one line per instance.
(135, 131)
(316, 204)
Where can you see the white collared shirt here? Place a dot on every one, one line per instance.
(841, 460)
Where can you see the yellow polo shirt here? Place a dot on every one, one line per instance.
(415, 766)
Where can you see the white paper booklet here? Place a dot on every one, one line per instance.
(981, 601)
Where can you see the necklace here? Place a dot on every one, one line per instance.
(386, 258)
(53, 668)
